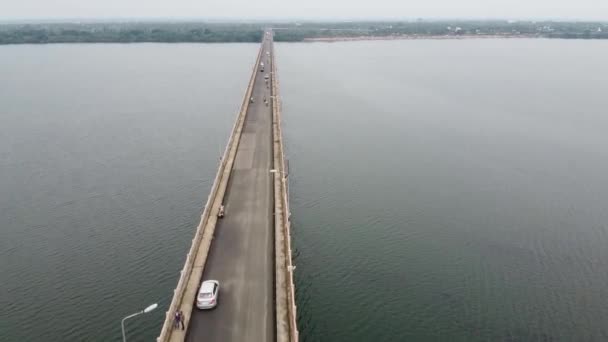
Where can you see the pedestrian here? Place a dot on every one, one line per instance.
(177, 319)
(182, 318)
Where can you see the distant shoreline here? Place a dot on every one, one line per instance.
(201, 32)
(418, 37)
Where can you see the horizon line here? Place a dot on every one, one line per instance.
(125, 19)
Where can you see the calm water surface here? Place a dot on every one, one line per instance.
(107, 153)
(449, 190)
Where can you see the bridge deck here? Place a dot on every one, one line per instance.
(241, 257)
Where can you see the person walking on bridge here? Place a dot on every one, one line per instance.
(182, 318)
(177, 319)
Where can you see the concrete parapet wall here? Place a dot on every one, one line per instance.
(187, 285)
(286, 310)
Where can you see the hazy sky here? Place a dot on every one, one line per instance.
(557, 9)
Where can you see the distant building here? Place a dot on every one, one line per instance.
(547, 28)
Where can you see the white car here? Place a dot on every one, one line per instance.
(208, 294)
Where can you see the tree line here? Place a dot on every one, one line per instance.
(546, 29)
(128, 33)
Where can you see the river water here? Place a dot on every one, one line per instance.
(449, 190)
(441, 190)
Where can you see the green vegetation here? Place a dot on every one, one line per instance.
(129, 33)
(198, 32)
(546, 29)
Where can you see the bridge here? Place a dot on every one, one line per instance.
(248, 250)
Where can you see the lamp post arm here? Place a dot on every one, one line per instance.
(122, 324)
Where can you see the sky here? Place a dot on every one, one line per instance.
(306, 9)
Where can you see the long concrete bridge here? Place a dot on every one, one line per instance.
(248, 250)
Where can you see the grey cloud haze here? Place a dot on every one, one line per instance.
(319, 9)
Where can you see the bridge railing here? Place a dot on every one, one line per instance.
(182, 283)
(289, 267)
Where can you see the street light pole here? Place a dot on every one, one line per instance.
(146, 310)
(282, 173)
(284, 176)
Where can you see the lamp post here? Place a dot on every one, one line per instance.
(277, 171)
(284, 178)
(146, 310)
(282, 173)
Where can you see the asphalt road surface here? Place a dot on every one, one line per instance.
(241, 257)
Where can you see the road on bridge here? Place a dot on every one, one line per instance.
(241, 257)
